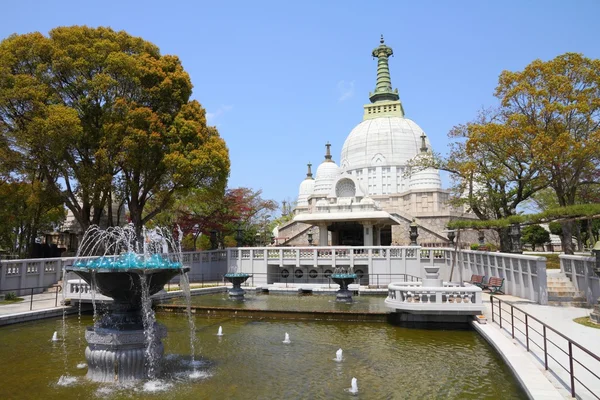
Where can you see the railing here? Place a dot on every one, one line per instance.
(451, 297)
(564, 357)
(580, 269)
(33, 297)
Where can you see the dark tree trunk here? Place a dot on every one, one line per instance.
(567, 237)
(505, 240)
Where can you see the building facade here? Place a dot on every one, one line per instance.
(372, 197)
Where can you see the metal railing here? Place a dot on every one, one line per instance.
(35, 295)
(564, 354)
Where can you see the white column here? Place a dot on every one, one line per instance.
(323, 235)
(368, 233)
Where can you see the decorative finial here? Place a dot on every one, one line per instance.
(423, 144)
(309, 173)
(328, 154)
(383, 86)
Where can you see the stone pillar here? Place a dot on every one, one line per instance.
(368, 233)
(323, 235)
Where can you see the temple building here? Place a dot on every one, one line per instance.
(370, 199)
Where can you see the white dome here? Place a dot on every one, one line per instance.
(429, 178)
(383, 141)
(326, 175)
(305, 190)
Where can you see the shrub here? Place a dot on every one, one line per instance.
(10, 296)
(474, 246)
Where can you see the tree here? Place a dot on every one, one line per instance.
(556, 105)
(102, 112)
(534, 235)
(225, 212)
(491, 166)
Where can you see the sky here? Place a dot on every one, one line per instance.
(279, 78)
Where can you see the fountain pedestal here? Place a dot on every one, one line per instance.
(343, 294)
(125, 343)
(236, 279)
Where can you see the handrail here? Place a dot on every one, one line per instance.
(570, 369)
(57, 290)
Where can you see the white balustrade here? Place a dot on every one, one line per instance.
(451, 299)
(580, 269)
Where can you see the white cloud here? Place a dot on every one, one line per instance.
(212, 117)
(346, 90)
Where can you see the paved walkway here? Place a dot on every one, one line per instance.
(561, 320)
(40, 301)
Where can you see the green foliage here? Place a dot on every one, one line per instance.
(535, 235)
(555, 228)
(11, 296)
(570, 212)
(100, 113)
(474, 246)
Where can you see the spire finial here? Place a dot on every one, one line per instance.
(309, 173)
(423, 144)
(383, 87)
(328, 153)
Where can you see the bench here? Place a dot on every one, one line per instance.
(477, 280)
(494, 285)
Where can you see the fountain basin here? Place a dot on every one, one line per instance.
(237, 279)
(343, 294)
(125, 343)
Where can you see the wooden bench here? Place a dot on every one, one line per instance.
(477, 280)
(494, 285)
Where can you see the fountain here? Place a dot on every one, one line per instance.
(287, 339)
(338, 355)
(236, 279)
(343, 276)
(125, 343)
(354, 386)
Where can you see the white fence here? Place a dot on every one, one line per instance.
(525, 276)
(580, 269)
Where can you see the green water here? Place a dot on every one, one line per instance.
(289, 302)
(251, 362)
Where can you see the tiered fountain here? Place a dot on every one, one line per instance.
(343, 277)
(125, 343)
(236, 279)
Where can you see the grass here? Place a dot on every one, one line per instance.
(586, 322)
(552, 261)
(11, 301)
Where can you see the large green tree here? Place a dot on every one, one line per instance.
(545, 133)
(556, 104)
(103, 112)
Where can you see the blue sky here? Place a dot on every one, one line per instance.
(280, 79)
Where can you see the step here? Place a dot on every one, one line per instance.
(578, 304)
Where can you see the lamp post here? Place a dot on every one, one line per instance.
(481, 238)
(213, 239)
(414, 233)
(309, 235)
(238, 236)
(595, 315)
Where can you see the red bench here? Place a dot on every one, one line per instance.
(494, 285)
(477, 280)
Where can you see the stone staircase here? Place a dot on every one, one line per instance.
(561, 292)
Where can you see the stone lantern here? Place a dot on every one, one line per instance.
(451, 237)
(309, 236)
(239, 236)
(414, 233)
(515, 239)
